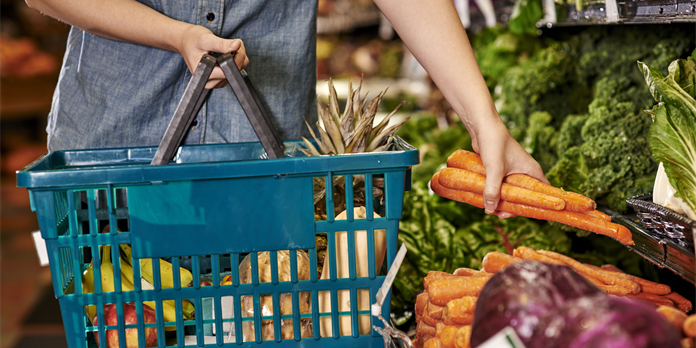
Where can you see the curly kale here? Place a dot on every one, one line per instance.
(613, 162)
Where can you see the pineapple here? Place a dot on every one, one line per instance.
(352, 131)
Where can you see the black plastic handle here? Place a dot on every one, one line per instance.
(253, 108)
(186, 111)
(192, 100)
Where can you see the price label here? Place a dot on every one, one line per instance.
(506, 338)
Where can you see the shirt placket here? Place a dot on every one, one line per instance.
(211, 16)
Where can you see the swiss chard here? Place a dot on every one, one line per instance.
(673, 133)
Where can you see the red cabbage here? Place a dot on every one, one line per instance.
(553, 306)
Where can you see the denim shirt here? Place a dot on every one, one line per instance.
(116, 94)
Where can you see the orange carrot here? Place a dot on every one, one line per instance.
(460, 179)
(434, 311)
(463, 337)
(682, 303)
(423, 330)
(599, 214)
(427, 319)
(466, 160)
(468, 272)
(690, 326)
(432, 343)
(448, 335)
(433, 275)
(495, 261)
(444, 290)
(460, 311)
(673, 315)
(527, 253)
(657, 300)
(421, 302)
(472, 161)
(645, 285)
(608, 278)
(571, 218)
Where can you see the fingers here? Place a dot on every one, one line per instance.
(491, 190)
(217, 79)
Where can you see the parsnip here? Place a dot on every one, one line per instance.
(342, 270)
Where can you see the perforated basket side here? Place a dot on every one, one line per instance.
(663, 222)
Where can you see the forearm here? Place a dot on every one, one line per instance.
(122, 20)
(434, 34)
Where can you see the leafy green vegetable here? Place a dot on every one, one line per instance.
(444, 235)
(673, 135)
(613, 162)
(525, 15)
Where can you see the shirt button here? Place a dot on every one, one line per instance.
(210, 17)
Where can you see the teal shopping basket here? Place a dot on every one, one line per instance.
(205, 212)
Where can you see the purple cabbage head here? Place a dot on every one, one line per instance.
(553, 306)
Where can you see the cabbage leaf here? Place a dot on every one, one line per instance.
(673, 134)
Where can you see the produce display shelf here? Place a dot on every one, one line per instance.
(636, 12)
(661, 252)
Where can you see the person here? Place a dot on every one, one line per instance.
(127, 63)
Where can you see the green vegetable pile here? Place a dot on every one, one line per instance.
(577, 107)
(576, 103)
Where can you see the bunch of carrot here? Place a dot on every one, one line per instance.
(607, 278)
(465, 176)
(445, 309)
(686, 325)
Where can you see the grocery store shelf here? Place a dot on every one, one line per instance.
(632, 11)
(338, 23)
(660, 252)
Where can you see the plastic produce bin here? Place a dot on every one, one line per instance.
(205, 211)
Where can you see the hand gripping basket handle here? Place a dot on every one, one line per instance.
(193, 98)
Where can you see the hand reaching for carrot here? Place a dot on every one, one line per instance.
(523, 195)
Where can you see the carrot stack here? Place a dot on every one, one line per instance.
(465, 176)
(445, 309)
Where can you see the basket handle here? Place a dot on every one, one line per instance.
(192, 100)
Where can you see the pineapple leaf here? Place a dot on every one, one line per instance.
(332, 129)
(312, 149)
(319, 142)
(333, 101)
(330, 149)
(377, 141)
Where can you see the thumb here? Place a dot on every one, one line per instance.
(491, 190)
(226, 46)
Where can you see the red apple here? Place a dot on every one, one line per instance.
(206, 283)
(130, 317)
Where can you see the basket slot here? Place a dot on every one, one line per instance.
(276, 316)
(329, 197)
(72, 213)
(179, 321)
(234, 263)
(349, 197)
(92, 213)
(219, 328)
(254, 259)
(61, 210)
(215, 263)
(296, 315)
(313, 265)
(274, 267)
(293, 266)
(369, 193)
(239, 333)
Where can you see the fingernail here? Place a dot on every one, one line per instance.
(490, 207)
